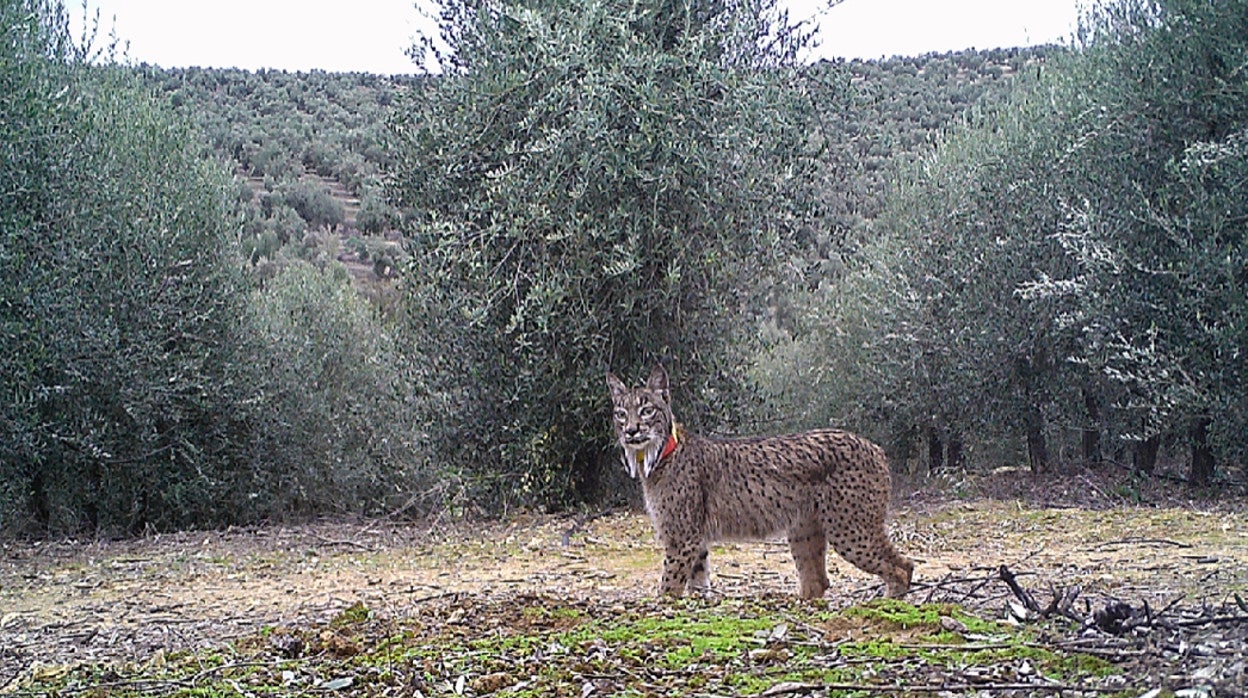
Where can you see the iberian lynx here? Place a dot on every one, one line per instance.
(817, 488)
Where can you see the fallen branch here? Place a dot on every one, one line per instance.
(1060, 605)
(1211, 620)
(159, 686)
(1024, 597)
(338, 542)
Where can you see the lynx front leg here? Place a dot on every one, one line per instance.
(678, 566)
(809, 548)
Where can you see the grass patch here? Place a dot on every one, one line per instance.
(536, 646)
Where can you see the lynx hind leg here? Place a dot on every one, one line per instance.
(700, 578)
(903, 572)
(859, 535)
(809, 548)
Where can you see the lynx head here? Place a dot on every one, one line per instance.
(643, 422)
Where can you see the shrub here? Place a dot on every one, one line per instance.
(314, 204)
(376, 215)
(336, 413)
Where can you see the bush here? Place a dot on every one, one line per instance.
(337, 428)
(376, 215)
(314, 204)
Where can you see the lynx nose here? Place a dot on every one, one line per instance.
(633, 434)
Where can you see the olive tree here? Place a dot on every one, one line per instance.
(1074, 250)
(599, 184)
(1156, 225)
(119, 297)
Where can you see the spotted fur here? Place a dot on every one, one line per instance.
(818, 488)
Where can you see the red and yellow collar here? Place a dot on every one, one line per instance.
(672, 442)
(669, 447)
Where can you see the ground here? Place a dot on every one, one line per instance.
(76, 615)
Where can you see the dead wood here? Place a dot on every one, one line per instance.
(1212, 620)
(1142, 540)
(985, 688)
(1060, 605)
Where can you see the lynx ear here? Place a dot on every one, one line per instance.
(615, 384)
(658, 383)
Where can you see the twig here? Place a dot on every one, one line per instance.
(433, 597)
(1140, 539)
(945, 583)
(160, 684)
(1028, 601)
(986, 687)
(1164, 609)
(964, 647)
(334, 541)
(1060, 605)
(1106, 652)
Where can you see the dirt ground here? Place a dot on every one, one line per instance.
(71, 601)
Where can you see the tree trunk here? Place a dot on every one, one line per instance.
(1144, 454)
(1201, 474)
(589, 465)
(1037, 447)
(953, 453)
(1092, 432)
(935, 451)
(38, 503)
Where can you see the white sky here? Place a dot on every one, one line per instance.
(372, 35)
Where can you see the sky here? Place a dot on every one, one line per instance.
(373, 35)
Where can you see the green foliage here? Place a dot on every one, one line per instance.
(118, 298)
(1069, 263)
(314, 204)
(300, 134)
(877, 116)
(334, 424)
(1156, 225)
(376, 214)
(142, 384)
(600, 185)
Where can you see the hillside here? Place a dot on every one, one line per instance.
(311, 147)
(309, 152)
(900, 107)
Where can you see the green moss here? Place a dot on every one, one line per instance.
(674, 647)
(903, 616)
(354, 614)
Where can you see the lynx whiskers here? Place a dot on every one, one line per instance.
(817, 488)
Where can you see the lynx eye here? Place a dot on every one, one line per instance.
(621, 415)
(647, 412)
